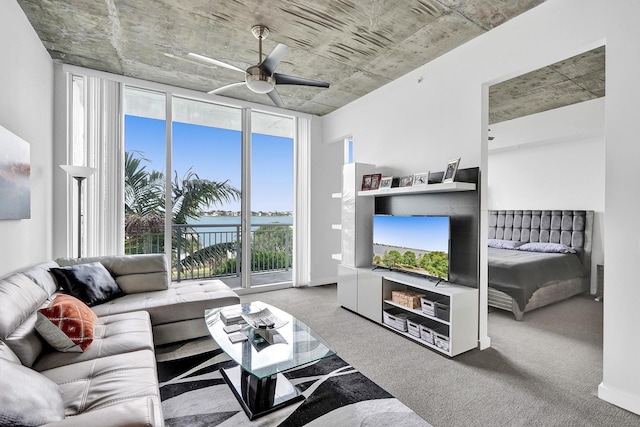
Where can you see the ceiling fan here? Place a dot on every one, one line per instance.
(262, 78)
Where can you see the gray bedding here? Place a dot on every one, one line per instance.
(519, 274)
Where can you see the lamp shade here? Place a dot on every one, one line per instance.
(79, 171)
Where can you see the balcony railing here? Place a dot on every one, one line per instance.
(202, 251)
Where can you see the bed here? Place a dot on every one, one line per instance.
(537, 258)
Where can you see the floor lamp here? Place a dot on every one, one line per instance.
(79, 173)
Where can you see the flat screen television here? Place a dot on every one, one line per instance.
(413, 244)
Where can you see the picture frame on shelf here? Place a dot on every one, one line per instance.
(366, 182)
(421, 178)
(406, 181)
(450, 172)
(386, 182)
(375, 181)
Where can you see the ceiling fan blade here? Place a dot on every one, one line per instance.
(283, 79)
(227, 87)
(275, 97)
(273, 59)
(211, 61)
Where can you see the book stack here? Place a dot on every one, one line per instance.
(231, 316)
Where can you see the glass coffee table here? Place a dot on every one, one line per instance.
(263, 354)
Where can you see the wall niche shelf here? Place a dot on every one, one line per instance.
(444, 187)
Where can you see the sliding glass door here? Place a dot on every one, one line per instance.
(271, 198)
(229, 193)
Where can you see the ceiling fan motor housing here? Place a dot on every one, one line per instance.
(259, 81)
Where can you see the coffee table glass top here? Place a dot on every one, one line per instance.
(267, 352)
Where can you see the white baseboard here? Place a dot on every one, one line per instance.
(484, 343)
(619, 398)
(323, 281)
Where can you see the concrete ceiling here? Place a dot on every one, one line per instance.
(356, 45)
(576, 79)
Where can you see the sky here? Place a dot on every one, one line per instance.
(215, 154)
(416, 232)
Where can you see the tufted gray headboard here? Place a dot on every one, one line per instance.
(571, 228)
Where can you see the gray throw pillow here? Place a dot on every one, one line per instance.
(504, 244)
(91, 283)
(28, 398)
(547, 248)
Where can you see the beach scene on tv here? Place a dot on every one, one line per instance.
(415, 244)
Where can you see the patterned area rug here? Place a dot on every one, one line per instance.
(194, 394)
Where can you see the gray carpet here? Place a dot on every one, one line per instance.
(543, 371)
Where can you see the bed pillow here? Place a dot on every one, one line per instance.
(504, 244)
(28, 398)
(67, 324)
(548, 248)
(91, 283)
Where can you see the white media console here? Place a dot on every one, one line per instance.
(368, 292)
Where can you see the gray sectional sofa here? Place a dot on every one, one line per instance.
(114, 381)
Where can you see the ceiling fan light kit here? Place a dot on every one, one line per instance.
(262, 78)
(258, 81)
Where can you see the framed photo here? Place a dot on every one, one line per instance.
(421, 178)
(406, 181)
(366, 182)
(450, 173)
(386, 182)
(375, 181)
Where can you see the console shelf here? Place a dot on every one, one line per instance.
(444, 187)
(368, 293)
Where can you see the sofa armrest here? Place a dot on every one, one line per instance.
(133, 273)
(142, 412)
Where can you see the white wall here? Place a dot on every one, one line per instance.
(326, 178)
(26, 109)
(552, 160)
(413, 127)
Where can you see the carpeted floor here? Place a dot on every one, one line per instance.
(543, 371)
(195, 395)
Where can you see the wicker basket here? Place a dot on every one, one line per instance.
(406, 298)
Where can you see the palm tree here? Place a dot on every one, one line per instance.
(191, 193)
(143, 207)
(144, 201)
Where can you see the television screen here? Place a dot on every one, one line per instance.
(415, 244)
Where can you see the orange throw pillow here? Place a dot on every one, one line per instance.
(67, 324)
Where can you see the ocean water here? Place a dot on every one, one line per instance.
(227, 227)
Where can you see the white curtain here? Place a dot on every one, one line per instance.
(104, 196)
(302, 215)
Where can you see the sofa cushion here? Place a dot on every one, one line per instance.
(117, 334)
(91, 283)
(108, 381)
(67, 324)
(133, 273)
(20, 297)
(25, 342)
(28, 398)
(42, 277)
(7, 354)
(182, 301)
